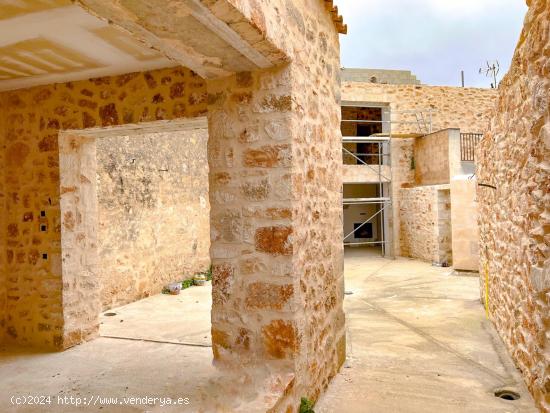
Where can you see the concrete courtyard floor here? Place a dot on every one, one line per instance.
(418, 341)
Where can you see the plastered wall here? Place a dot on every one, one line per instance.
(33, 118)
(514, 206)
(154, 215)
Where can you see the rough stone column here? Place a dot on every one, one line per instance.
(3, 292)
(276, 224)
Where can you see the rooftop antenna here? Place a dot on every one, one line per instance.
(491, 70)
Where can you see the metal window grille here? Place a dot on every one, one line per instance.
(468, 143)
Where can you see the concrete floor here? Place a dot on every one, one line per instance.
(157, 347)
(180, 319)
(418, 341)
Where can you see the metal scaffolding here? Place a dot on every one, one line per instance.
(383, 201)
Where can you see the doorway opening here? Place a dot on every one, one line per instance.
(135, 222)
(363, 217)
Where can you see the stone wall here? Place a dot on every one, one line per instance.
(275, 189)
(468, 109)
(154, 216)
(33, 118)
(402, 176)
(275, 193)
(445, 254)
(420, 225)
(355, 174)
(3, 216)
(395, 77)
(465, 231)
(514, 201)
(431, 158)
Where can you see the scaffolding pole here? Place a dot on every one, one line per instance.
(423, 120)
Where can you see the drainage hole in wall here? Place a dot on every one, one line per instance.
(109, 314)
(507, 394)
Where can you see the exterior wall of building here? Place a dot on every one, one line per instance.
(33, 118)
(402, 161)
(275, 194)
(468, 109)
(444, 227)
(395, 77)
(424, 231)
(514, 210)
(465, 231)
(431, 158)
(355, 174)
(154, 216)
(275, 190)
(3, 232)
(457, 167)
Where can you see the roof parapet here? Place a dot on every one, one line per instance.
(336, 18)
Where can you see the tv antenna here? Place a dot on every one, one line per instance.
(491, 70)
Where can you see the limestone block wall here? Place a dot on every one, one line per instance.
(514, 211)
(362, 174)
(3, 213)
(431, 158)
(153, 209)
(275, 193)
(445, 253)
(424, 231)
(402, 176)
(468, 109)
(33, 118)
(465, 231)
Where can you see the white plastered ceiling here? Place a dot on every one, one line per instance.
(51, 41)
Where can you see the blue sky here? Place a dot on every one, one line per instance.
(435, 39)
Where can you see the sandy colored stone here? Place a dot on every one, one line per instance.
(514, 207)
(32, 182)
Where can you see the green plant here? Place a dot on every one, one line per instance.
(306, 406)
(208, 273)
(186, 284)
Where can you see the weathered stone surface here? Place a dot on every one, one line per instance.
(267, 156)
(274, 240)
(514, 220)
(278, 161)
(31, 183)
(468, 109)
(268, 296)
(280, 135)
(154, 219)
(280, 339)
(425, 223)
